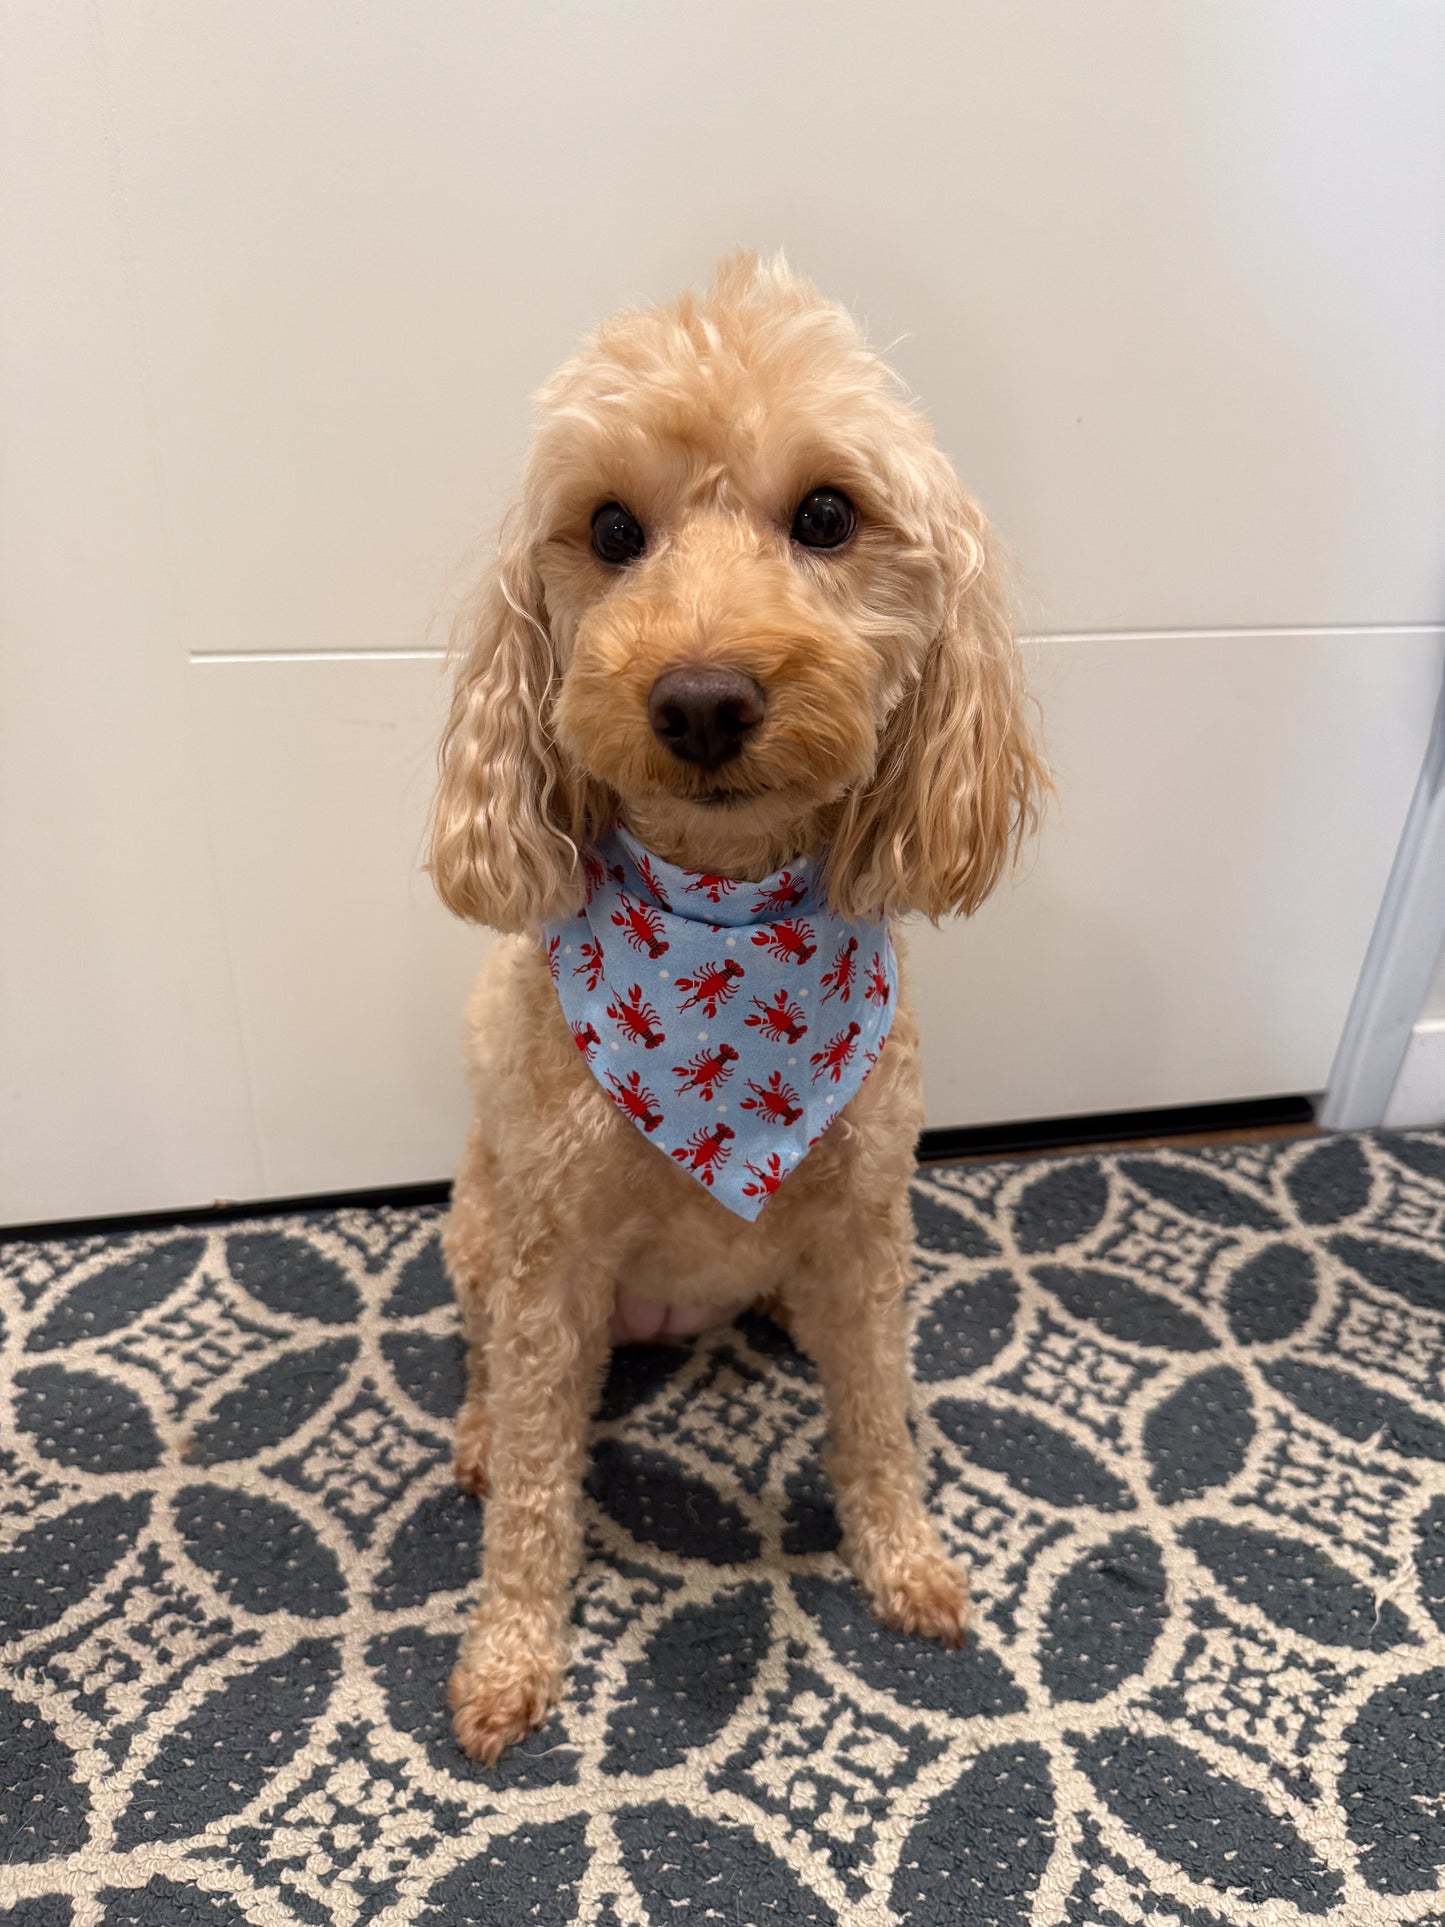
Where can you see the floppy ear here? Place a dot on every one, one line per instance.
(959, 782)
(508, 822)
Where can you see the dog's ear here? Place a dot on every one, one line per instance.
(959, 781)
(508, 820)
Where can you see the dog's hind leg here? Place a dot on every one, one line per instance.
(468, 1245)
(849, 1314)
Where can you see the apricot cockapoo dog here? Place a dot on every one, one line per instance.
(740, 689)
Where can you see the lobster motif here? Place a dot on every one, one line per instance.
(876, 989)
(706, 1070)
(586, 1039)
(642, 926)
(787, 891)
(706, 1151)
(780, 1020)
(712, 986)
(595, 872)
(637, 1020)
(840, 978)
(713, 888)
(591, 965)
(633, 1097)
(791, 941)
(649, 877)
(766, 1176)
(775, 1102)
(836, 1055)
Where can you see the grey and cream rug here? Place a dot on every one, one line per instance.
(1182, 1413)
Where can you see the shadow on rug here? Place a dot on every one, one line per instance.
(1182, 1417)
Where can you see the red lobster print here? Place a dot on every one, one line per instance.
(840, 978)
(586, 1039)
(594, 871)
(636, 1019)
(591, 965)
(643, 926)
(835, 1056)
(787, 891)
(712, 986)
(706, 1151)
(766, 1177)
(876, 989)
(554, 948)
(705, 1071)
(713, 888)
(791, 941)
(780, 1020)
(634, 1097)
(775, 1102)
(649, 877)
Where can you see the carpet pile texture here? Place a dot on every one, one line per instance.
(1182, 1413)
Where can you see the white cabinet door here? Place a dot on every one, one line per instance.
(1192, 923)
(278, 283)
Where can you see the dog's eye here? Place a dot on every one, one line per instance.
(617, 536)
(824, 520)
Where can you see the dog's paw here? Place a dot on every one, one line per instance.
(494, 1705)
(921, 1592)
(472, 1450)
(470, 1473)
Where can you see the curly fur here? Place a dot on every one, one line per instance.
(895, 740)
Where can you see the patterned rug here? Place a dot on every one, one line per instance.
(1182, 1413)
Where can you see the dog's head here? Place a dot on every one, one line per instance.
(745, 603)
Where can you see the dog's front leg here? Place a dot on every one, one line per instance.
(547, 1352)
(849, 1315)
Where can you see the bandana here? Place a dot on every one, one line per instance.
(731, 1022)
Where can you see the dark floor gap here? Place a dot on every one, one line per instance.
(1037, 1135)
(1247, 1118)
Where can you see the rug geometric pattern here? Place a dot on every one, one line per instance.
(1182, 1413)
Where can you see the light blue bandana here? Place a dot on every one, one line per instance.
(730, 1021)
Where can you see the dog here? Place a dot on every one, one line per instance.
(743, 617)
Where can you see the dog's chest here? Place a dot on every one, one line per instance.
(686, 1250)
(688, 1264)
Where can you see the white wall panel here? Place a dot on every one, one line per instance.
(1171, 280)
(1192, 923)
(350, 976)
(122, 1081)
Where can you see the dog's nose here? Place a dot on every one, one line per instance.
(704, 716)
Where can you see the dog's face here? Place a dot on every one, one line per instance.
(736, 563)
(746, 607)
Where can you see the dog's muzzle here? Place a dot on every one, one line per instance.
(704, 716)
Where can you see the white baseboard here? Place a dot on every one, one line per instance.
(1369, 1067)
(1419, 1094)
